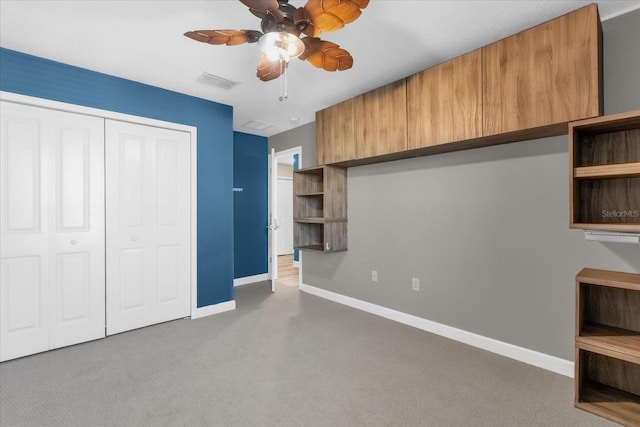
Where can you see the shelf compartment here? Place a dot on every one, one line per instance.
(309, 206)
(611, 403)
(312, 182)
(605, 172)
(606, 310)
(601, 147)
(608, 387)
(608, 201)
(323, 236)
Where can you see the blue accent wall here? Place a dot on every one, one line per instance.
(250, 202)
(42, 78)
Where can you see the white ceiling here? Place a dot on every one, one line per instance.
(143, 41)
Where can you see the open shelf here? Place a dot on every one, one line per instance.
(609, 402)
(605, 173)
(608, 344)
(320, 209)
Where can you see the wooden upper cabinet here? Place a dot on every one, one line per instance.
(335, 133)
(382, 121)
(444, 103)
(366, 126)
(547, 75)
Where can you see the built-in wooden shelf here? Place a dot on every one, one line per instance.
(605, 173)
(320, 209)
(607, 343)
(611, 403)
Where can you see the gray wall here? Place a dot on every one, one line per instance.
(485, 230)
(304, 136)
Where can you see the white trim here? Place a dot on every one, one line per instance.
(250, 279)
(290, 152)
(210, 310)
(531, 357)
(88, 111)
(286, 153)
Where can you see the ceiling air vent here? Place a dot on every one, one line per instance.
(218, 81)
(257, 125)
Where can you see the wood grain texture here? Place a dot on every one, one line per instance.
(610, 403)
(320, 208)
(444, 103)
(601, 149)
(615, 279)
(336, 133)
(607, 362)
(608, 171)
(607, 148)
(608, 201)
(545, 75)
(335, 190)
(382, 119)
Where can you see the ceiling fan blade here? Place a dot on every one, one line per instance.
(331, 15)
(269, 70)
(326, 55)
(261, 8)
(228, 37)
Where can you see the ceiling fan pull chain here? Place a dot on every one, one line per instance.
(283, 81)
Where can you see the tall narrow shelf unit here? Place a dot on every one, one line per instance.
(320, 209)
(605, 173)
(607, 343)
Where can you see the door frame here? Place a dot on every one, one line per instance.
(289, 152)
(106, 114)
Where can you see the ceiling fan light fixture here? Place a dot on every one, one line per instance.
(281, 45)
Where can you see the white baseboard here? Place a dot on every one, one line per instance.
(210, 310)
(531, 357)
(250, 279)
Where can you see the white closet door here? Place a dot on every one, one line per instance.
(52, 233)
(148, 225)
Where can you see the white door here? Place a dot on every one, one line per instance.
(285, 216)
(148, 225)
(273, 219)
(52, 232)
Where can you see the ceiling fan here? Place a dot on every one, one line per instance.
(282, 24)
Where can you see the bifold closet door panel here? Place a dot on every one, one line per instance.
(148, 225)
(52, 229)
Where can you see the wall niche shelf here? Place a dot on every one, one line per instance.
(607, 345)
(605, 173)
(320, 209)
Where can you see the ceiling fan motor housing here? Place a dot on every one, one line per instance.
(271, 23)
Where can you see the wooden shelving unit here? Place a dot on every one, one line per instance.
(605, 173)
(607, 343)
(320, 209)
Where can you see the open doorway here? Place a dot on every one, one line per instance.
(288, 262)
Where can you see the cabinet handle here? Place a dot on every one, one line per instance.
(134, 239)
(73, 242)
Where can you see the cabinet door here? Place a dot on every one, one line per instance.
(382, 124)
(335, 133)
(549, 74)
(445, 102)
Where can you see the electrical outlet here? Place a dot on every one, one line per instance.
(374, 276)
(415, 284)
